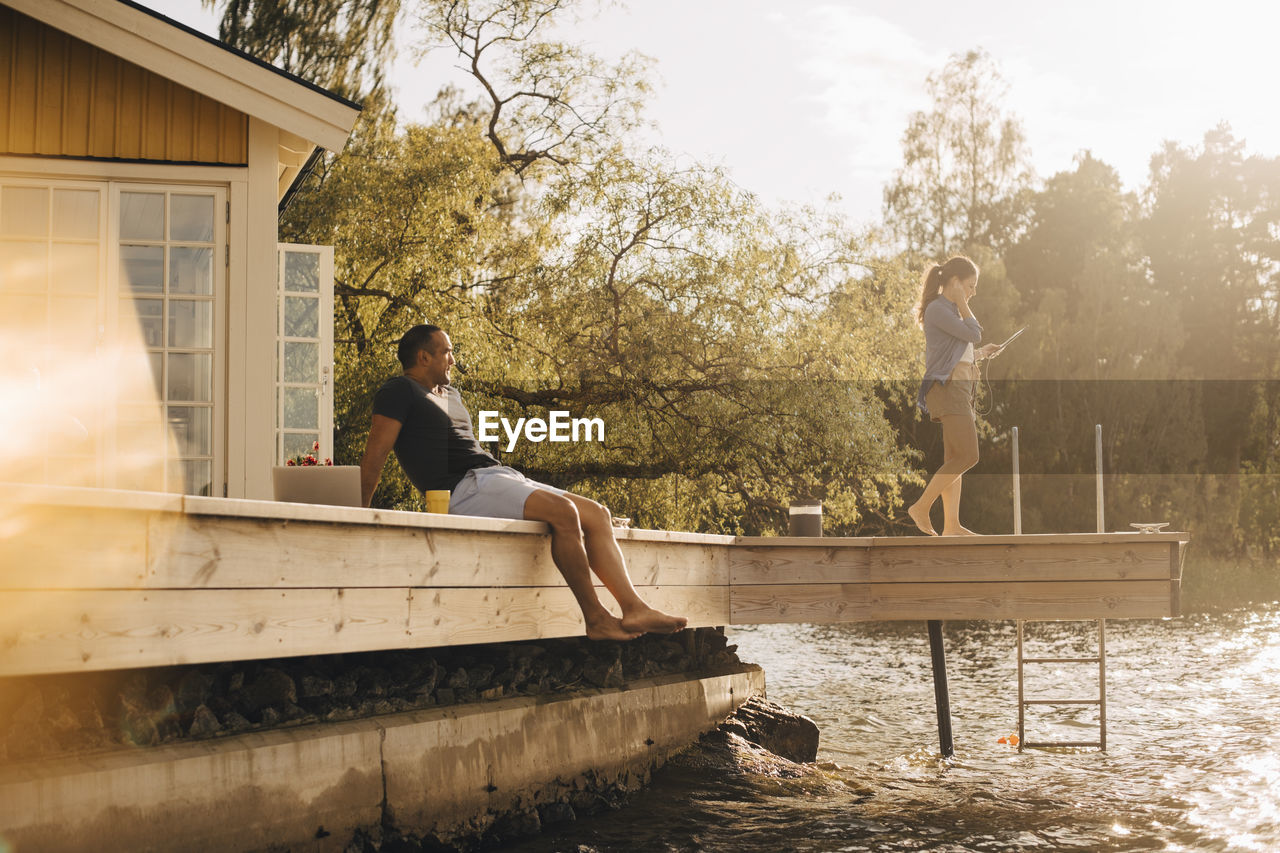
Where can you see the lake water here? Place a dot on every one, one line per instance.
(1193, 760)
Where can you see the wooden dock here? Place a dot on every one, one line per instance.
(95, 579)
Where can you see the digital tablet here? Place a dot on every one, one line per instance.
(1011, 337)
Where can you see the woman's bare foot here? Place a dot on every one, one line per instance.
(920, 515)
(648, 620)
(960, 530)
(609, 627)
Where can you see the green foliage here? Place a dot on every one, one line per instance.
(965, 171)
(342, 45)
(730, 350)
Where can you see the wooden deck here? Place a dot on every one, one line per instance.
(95, 579)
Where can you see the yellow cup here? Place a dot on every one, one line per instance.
(438, 501)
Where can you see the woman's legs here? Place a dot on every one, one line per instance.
(960, 453)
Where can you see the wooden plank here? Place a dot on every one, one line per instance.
(791, 564)
(255, 553)
(1029, 539)
(49, 547)
(675, 563)
(755, 604)
(250, 553)
(79, 631)
(977, 561)
(1053, 600)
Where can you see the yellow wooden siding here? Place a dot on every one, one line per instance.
(62, 97)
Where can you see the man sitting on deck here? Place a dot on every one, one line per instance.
(423, 418)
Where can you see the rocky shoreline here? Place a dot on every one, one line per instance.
(61, 715)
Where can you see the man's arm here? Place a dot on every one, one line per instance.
(383, 432)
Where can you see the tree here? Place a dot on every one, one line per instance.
(1211, 234)
(965, 171)
(342, 45)
(1100, 352)
(576, 274)
(545, 101)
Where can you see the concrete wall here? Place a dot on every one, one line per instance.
(446, 772)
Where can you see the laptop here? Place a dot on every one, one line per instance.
(336, 485)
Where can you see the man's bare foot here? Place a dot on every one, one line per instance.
(609, 627)
(653, 621)
(960, 530)
(920, 515)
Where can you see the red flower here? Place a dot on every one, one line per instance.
(328, 461)
(290, 462)
(316, 446)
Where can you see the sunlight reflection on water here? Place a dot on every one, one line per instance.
(1193, 761)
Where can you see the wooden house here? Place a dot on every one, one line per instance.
(153, 335)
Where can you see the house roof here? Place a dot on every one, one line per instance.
(146, 38)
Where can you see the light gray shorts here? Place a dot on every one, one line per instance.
(496, 492)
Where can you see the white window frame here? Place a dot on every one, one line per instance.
(324, 387)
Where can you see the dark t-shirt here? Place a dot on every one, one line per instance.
(435, 449)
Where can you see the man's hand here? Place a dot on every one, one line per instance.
(383, 432)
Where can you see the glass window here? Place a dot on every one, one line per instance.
(300, 443)
(24, 267)
(301, 408)
(191, 270)
(142, 268)
(301, 362)
(301, 317)
(302, 272)
(75, 214)
(190, 323)
(75, 268)
(191, 218)
(24, 211)
(190, 377)
(192, 429)
(142, 216)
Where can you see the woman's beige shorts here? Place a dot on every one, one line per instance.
(955, 396)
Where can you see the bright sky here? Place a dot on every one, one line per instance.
(813, 100)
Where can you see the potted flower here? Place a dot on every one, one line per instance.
(305, 479)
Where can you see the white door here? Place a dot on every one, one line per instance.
(304, 352)
(112, 303)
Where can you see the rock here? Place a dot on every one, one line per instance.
(315, 686)
(194, 690)
(553, 813)
(603, 674)
(491, 693)
(203, 723)
(792, 736)
(458, 680)
(480, 676)
(445, 696)
(270, 717)
(373, 682)
(236, 722)
(344, 686)
(664, 650)
(236, 681)
(517, 824)
(139, 729)
(271, 687)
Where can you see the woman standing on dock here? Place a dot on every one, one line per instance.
(950, 378)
